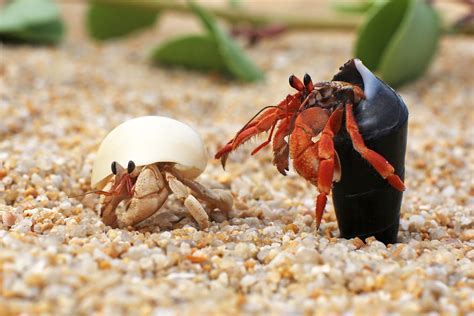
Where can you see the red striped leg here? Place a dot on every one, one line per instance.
(383, 167)
(281, 149)
(327, 162)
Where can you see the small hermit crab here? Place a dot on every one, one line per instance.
(142, 161)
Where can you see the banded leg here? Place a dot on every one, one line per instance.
(316, 160)
(281, 149)
(267, 121)
(266, 142)
(261, 123)
(328, 162)
(380, 164)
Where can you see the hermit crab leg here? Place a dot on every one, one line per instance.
(264, 122)
(266, 142)
(315, 159)
(380, 164)
(221, 199)
(238, 139)
(327, 161)
(193, 206)
(260, 123)
(281, 149)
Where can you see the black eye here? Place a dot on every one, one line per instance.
(131, 166)
(307, 79)
(114, 167)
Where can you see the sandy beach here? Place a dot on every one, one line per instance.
(58, 258)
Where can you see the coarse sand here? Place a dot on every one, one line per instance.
(57, 257)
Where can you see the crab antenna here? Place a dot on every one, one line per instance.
(296, 83)
(308, 83)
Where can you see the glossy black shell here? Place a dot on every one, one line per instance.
(366, 205)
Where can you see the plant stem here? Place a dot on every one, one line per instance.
(237, 15)
(291, 22)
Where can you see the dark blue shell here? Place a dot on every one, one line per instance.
(365, 204)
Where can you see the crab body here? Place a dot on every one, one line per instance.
(303, 126)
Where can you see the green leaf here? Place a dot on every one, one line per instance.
(107, 21)
(33, 21)
(235, 4)
(353, 7)
(399, 39)
(238, 64)
(51, 32)
(192, 51)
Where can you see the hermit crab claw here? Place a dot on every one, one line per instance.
(162, 156)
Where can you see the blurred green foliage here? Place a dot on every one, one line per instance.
(238, 64)
(32, 21)
(111, 21)
(214, 51)
(398, 39)
(191, 51)
(357, 7)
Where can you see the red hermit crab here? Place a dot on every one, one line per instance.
(311, 118)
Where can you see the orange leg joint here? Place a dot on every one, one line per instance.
(380, 164)
(315, 160)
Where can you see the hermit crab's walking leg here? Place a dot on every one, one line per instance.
(107, 213)
(262, 122)
(315, 159)
(259, 124)
(193, 206)
(266, 142)
(189, 190)
(267, 121)
(281, 149)
(328, 162)
(383, 167)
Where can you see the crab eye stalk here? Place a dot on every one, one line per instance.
(130, 166)
(296, 83)
(308, 82)
(113, 166)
